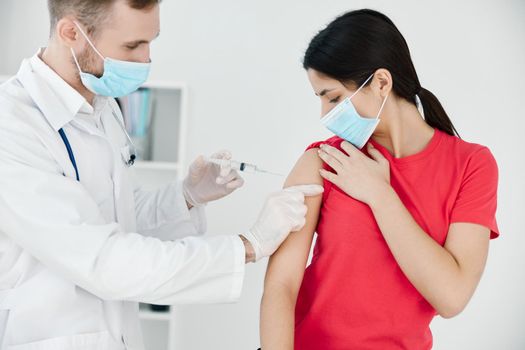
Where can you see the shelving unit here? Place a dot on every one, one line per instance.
(165, 164)
(168, 134)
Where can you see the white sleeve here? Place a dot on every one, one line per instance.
(163, 213)
(55, 220)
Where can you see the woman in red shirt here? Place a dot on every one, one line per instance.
(404, 222)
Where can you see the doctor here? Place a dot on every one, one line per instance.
(79, 245)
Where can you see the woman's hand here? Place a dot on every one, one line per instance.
(361, 177)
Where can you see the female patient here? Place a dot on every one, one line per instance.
(408, 208)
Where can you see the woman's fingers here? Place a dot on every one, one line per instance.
(331, 161)
(327, 175)
(375, 154)
(334, 152)
(350, 149)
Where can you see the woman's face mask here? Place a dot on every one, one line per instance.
(344, 120)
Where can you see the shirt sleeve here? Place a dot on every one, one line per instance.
(55, 220)
(163, 213)
(476, 201)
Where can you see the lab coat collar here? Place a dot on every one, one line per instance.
(58, 101)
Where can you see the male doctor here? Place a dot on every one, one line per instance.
(79, 245)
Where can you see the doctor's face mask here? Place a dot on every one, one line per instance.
(119, 78)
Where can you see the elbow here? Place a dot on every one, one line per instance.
(279, 290)
(449, 313)
(451, 308)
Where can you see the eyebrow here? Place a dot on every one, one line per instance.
(324, 92)
(140, 42)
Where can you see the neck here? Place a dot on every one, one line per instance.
(403, 132)
(61, 61)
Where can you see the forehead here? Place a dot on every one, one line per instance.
(134, 23)
(320, 81)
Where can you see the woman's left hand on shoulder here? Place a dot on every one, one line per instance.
(361, 177)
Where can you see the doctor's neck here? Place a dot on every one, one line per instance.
(59, 59)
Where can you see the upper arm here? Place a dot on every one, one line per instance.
(473, 217)
(287, 264)
(468, 244)
(476, 201)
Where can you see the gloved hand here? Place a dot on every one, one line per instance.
(207, 181)
(282, 213)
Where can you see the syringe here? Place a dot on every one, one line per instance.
(241, 166)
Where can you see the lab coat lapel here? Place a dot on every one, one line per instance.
(44, 100)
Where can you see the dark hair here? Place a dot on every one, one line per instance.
(90, 13)
(358, 43)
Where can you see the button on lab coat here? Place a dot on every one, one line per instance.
(77, 257)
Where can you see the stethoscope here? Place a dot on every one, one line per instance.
(132, 149)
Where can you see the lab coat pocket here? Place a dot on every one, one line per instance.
(88, 341)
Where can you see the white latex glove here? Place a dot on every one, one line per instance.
(207, 181)
(283, 212)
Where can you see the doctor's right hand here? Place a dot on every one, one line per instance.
(207, 181)
(283, 212)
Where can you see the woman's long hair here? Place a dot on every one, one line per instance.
(358, 43)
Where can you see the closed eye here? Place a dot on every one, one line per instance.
(335, 100)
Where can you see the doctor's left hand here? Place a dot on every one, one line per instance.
(207, 182)
(361, 177)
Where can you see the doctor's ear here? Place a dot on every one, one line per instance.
(382, 82)
(67, 33)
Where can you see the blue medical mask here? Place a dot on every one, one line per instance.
(120, 78)
(344, 121)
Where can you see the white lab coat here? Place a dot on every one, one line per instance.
(77, 257)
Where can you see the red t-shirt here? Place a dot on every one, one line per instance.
(354, 295)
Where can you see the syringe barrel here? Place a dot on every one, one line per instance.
(239, 166)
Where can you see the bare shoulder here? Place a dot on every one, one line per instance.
(306, 170)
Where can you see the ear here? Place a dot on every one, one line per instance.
(68, 34)
(382, 82)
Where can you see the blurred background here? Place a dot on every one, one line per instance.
(239, 62)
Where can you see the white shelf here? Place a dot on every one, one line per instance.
(150, 315)
(163, 84)
(153, 165)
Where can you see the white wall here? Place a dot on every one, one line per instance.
(5, 9)
(241, 59)
(25, 28)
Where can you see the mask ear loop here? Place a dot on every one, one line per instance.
(382, 106)
(366, 81)
(75, 59)
(89, 41)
